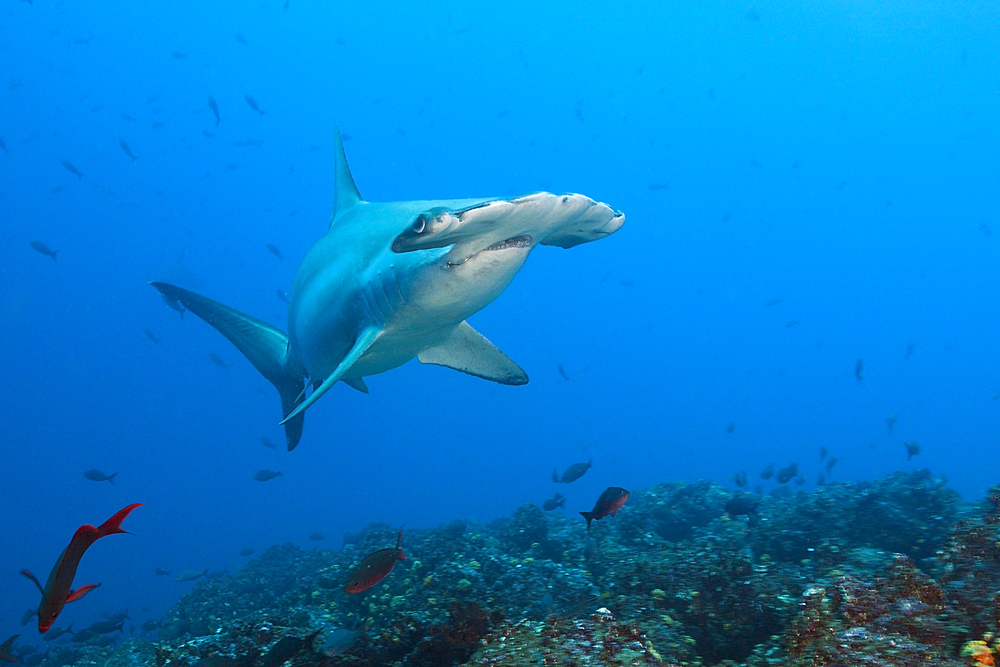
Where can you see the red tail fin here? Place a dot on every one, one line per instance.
(5, 648)
(114, 524)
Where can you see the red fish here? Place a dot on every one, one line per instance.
(5, 653)
(373, 568)
(609, 503)
(58, 589)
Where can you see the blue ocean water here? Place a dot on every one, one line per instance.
(804, 187)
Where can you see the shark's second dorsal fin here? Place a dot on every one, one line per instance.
(345, 194)
(467, 350)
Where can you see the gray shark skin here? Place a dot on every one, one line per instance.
(391, 281)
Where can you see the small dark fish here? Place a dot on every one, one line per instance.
(215, 109)
(242, 40)
(890, 421)
(771, 302)
(217, 360)
(909, 350)
(232, 165)
(287, 648)
(106, 627)
(179, 55)
(822, 452)
(175, 304)
(27, 616)
(128, 151)
(821, 481)
(207, 134)
(562, 371)
(316, 537)
(160, 572)
(274, 251)
(56, 633)
(558, 500)
(149, 626)
(152, 98)
(96, 108)
(740, 479)
(372, 569)
(742, 504)
(98, 476)
(282, 295)
(787, 474)
(6, 647)
(157, 124)
(912, 449)
(985, 229)
(253, 104)
(768, 472)
(71, 168)
(609, 503)
(572, 473)
(731, 427)
(858, 367)
(125, 116)
(267, 443)
(791, 323)
(151, 336)
(190, 575)
(246, 551)
(656, 187)
(832, 462)
(38, 246)
(4, 146)
(256, 143)
(265, 475)
(56, 190)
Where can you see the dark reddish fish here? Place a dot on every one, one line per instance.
(373, 569)
(609, 503)
(58, 589)
(5, 648)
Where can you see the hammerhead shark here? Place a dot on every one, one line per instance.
(390, 281)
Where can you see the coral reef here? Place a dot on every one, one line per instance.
(893, 572)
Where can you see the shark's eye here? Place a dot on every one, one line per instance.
(419, 225)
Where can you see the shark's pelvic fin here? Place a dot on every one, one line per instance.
(363, 342)
(467, 350)
(264, 345)
(345, 193)
(357, 383)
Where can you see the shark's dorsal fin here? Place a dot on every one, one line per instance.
(345, 194)
(467, 350)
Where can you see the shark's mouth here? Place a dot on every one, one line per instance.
(522, 241)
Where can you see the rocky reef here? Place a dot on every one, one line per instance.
(898, 571)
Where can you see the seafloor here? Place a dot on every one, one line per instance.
(899, 571)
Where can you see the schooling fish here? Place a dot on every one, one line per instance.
(266, 475)
(58, 588)
(890, 421)
(247, 551)
(3, 146)
(316, 537)
(56, 633)
(609, 503)
(190, 575)
(217, 360)
(267, 443)
(215, 109)
(373, 568)
(572, 473)
(558, 500)
(912, 449)
(253, 104)
(768, 472)
(786, 474)
(38, 246)
(858, 368)
(151, 336)
(71, 168)
(275, 251)
(161, 572)
(128, 151)
(98, 476)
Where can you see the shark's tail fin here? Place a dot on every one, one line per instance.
(265, 346)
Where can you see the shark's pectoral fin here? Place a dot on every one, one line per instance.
(264, 345)
(363, 342)
(357, 383)
(467, 350)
